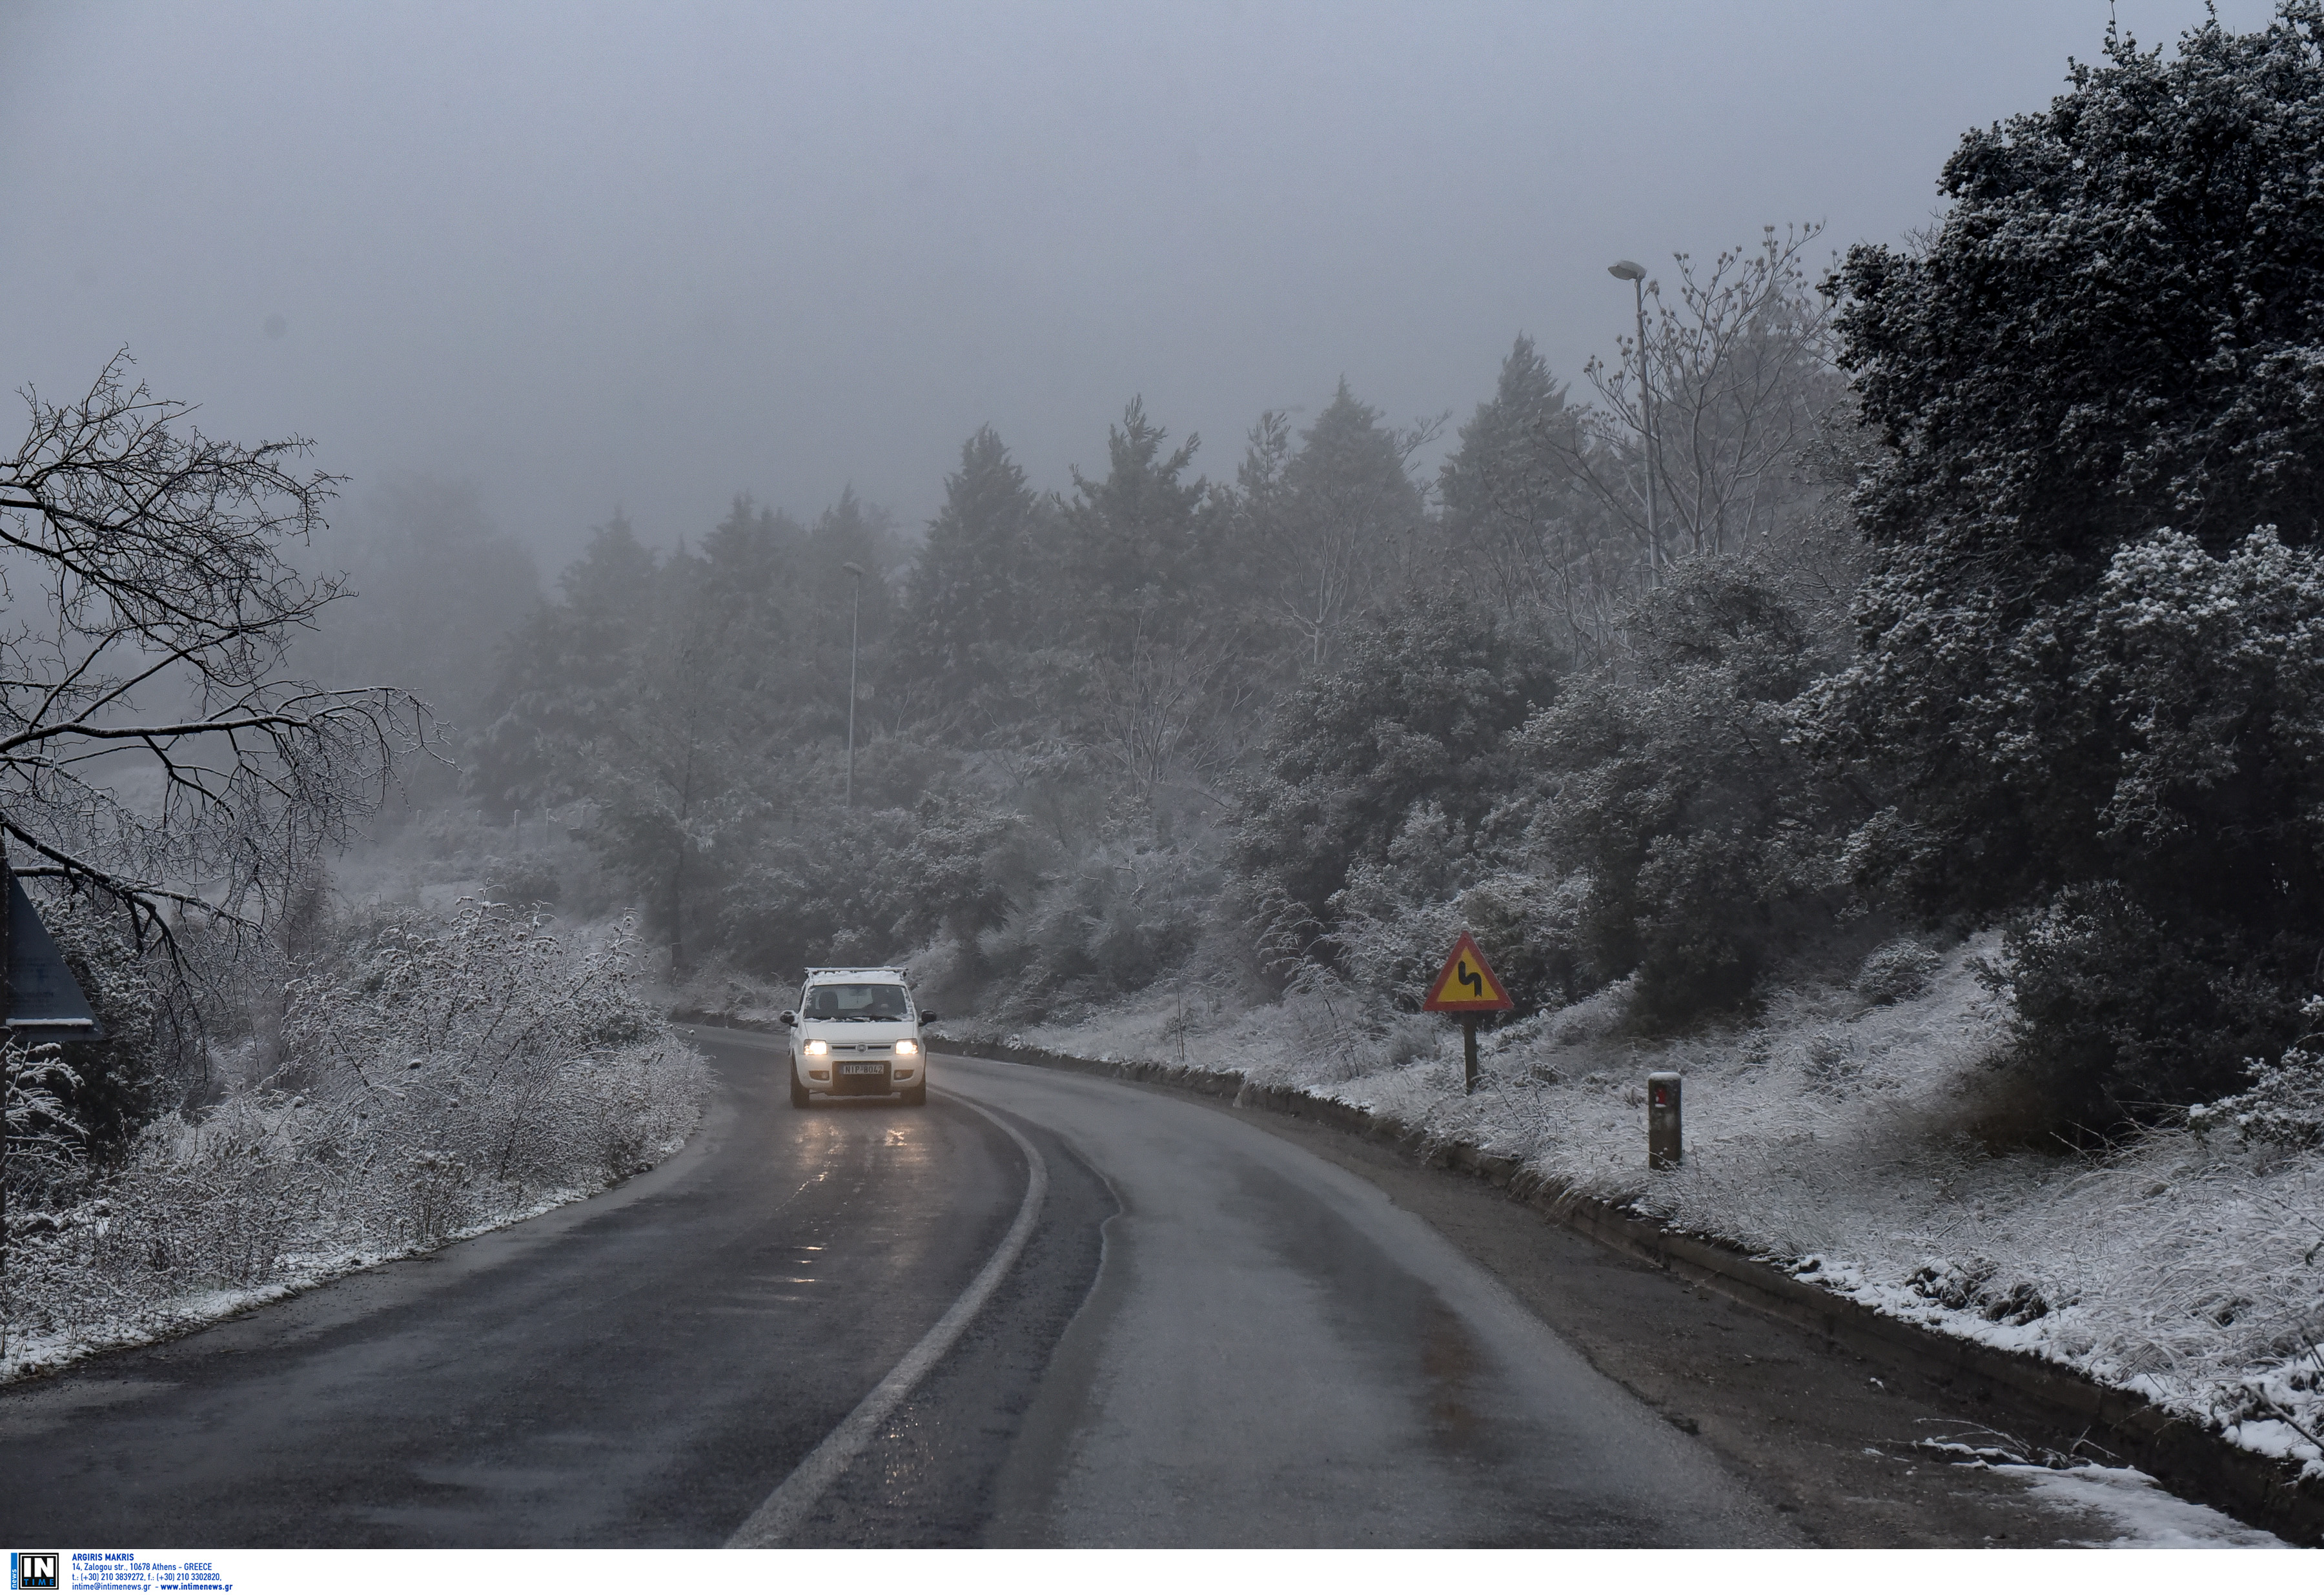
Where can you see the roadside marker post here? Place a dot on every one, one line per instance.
(1665, 1149)
(1468, 987)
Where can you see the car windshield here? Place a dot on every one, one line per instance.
(854, 1003)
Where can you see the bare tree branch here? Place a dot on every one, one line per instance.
(151, 745)
(1742, 376)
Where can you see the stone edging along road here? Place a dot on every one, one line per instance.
(2181, 1453)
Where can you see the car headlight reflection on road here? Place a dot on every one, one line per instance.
(816, 1049)
(908, 1049)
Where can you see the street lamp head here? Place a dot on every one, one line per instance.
(852, 568)
(1627, 270)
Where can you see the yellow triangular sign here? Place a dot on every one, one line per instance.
(1466, 983)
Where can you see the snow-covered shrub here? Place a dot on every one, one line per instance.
(1896, 972)
(717, 987)
(1421, 713)
(1112, 922)
(1828, 1057)
(2120, 1011)
(121, 1083)
(1970, 1286)
(865, 885)
(1399, 917)
(2285, 1103)
(528, 880)
(44, 1137)
(480, 1039)
(435, 1076)
(1670, 784)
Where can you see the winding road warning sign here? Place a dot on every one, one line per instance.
(1466, 983)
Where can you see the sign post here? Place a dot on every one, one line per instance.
(1467, 986)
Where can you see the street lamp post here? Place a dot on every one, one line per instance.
(854, 631)
(1635, 274)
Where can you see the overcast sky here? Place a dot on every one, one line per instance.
(654, 255)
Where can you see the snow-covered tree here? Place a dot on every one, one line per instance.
(1514, 507)
(154, 744)
(1737, 380)
(1320, 526)
(2061, 708)
(974, 591)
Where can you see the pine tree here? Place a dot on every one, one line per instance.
(561, 673)
(1514, 509)
(1347, 499)
(1130, 550)
(972, 592)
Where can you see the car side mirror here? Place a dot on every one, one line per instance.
(790, 1020)
(927, 1017)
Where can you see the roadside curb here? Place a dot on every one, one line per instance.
(2181, 1453)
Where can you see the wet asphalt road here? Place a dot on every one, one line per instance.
(1225, 1340)
(638, 1369)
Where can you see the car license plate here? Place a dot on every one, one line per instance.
(864, 1068)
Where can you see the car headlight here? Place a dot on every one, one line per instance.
(908, 1049)
(816, 1049)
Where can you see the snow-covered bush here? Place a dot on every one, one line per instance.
(119, 1083)
(1896, 972)
(1418, 716)
(2120, 1011)
(2284, 1104)
(435, 1076)
(529, 881)
(865, 884)
(1398, 915)
(1114, 921)
(1669, 783)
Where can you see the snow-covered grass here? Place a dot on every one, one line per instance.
(449, 1077)
(1867, 1145)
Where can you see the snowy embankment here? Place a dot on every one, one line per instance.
(456, 1077)
(1866, 1146)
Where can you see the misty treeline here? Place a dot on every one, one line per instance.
(1977, 583)
(1158, 724)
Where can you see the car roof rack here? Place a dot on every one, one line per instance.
(896, 970)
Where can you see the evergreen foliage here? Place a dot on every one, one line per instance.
(2081, 692)
(1423, 712)
(1673, 794)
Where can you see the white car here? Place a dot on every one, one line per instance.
(855, 1033)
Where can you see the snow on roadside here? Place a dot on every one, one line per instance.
(28, 1355)
(2145, 1515)
(1857, 1144)
(445, 1076)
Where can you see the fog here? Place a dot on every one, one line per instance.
(650, 257)
(777, 542)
